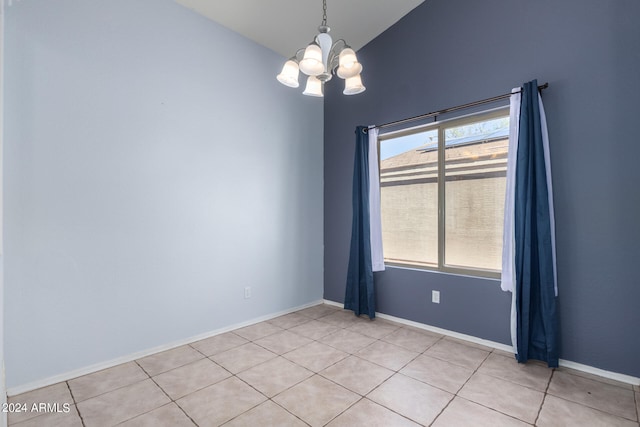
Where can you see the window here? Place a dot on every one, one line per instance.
(442, 190)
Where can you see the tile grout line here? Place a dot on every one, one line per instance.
(480, 404)
(75, 403)
(395, 371)
(269, 399)
(461, 387)
(326, 367)
(204, 355)
(603, 412)
(502, 379)
(441, 338)
(346, 409)
(261, 393)
(519, 384)
(544, 396)
(567, 399)
(108, 391)
(362, 397)
(432, 385)
(594, 377)
(209, 385)
(286, 410)
(232, 375)
(317, 373)
(544, 399)
(165, 393)
(385, 407)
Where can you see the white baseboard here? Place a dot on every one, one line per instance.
(436, 330)
(12, 391)
(628, 379)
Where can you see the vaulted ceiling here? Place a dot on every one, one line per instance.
(284, 26)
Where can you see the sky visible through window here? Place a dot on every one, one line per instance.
(400, 145)
(429, 139)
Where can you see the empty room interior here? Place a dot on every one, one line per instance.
(319, 213)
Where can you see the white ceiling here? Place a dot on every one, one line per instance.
(288, 25)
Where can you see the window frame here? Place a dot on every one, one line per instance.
(441, 126)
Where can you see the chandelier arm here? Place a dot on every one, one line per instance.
(299, 54)
(334, 55)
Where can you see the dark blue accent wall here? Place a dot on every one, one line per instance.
(450, 52)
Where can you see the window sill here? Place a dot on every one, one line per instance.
(488, 276)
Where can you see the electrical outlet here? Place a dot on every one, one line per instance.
(435, 297)
(247, 292)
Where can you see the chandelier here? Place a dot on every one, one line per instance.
(320, 60)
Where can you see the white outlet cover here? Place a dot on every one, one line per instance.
(435, 297)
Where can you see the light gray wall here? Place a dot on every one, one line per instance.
(154, 167)
(450, 52)
(3, 385)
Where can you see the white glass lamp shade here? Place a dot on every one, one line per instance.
(353, 85)
(311, 63)
(347, 57)
(348, 64)
(348, 72)
(289, 74)
(314, 87)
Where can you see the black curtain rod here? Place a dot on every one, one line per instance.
(448, 110)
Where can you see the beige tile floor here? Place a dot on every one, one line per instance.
(324, 366)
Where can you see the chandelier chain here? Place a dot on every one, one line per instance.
(324, 12)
